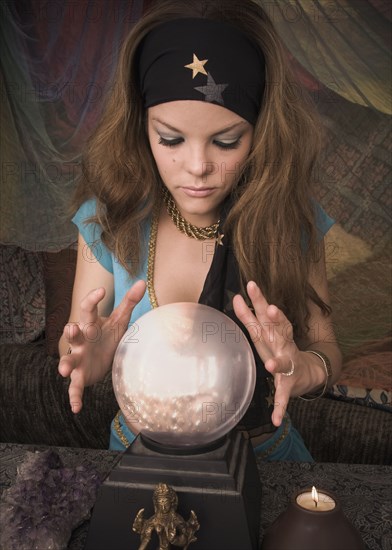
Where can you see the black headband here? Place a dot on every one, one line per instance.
(202, 60)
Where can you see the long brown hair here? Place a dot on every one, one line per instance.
(272, 221)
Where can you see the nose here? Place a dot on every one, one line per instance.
(197, 161)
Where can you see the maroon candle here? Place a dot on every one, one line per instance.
(313, 520)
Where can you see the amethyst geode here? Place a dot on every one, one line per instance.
(45, 503)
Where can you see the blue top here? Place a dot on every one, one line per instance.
(91, 233)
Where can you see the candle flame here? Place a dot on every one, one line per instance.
(315, 496)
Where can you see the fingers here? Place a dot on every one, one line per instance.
(278, 318)
(280, 365)
(73, 336)
(271, 314)
(258, 324)
(75, 392)
(280, 404)
(79, 336)
(252, 320)
(285, 375)
(89, 306)
(277, 367)
(65, 366)
(259, 303)
(123, 311)
(246, 317)
(272, 334)
(267, 324)
(134, 294)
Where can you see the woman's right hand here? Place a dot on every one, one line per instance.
(94, 340)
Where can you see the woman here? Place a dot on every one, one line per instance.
(197, 181)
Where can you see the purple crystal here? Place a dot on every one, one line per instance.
(46, 503)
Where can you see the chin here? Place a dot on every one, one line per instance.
(200, 218)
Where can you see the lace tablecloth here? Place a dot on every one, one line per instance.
(364, 491)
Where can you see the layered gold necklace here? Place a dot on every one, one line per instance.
(199, 233)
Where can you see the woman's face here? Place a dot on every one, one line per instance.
(199, 149)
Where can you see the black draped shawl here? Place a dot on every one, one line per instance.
(221, 285)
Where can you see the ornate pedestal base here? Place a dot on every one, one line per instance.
(222, 487)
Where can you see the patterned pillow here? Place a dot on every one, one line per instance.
(22, 295)
(361, 302)
(366, 377)
(370, 397)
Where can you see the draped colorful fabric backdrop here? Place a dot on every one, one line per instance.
(57, 64)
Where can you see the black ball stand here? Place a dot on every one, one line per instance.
(221, 484)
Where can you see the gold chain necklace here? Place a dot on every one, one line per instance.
(151, 258)
(199, 233)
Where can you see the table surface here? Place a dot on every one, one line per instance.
(364, 491)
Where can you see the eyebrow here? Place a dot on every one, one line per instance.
(224, 130)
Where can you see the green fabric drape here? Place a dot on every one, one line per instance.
(344, 44)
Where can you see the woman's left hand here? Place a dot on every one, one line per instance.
(272, 334)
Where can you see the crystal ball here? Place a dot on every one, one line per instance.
(184, 375)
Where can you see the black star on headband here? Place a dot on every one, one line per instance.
(212, 91)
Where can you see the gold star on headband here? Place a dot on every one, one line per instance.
(197, 66)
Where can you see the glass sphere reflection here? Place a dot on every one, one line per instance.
(184, 374)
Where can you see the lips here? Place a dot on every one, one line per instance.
(198, 191)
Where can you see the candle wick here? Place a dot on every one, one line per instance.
(315, 503)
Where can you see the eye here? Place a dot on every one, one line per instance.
(228, 144)
(170, 142)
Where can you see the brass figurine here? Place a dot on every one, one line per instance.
(170, 527)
